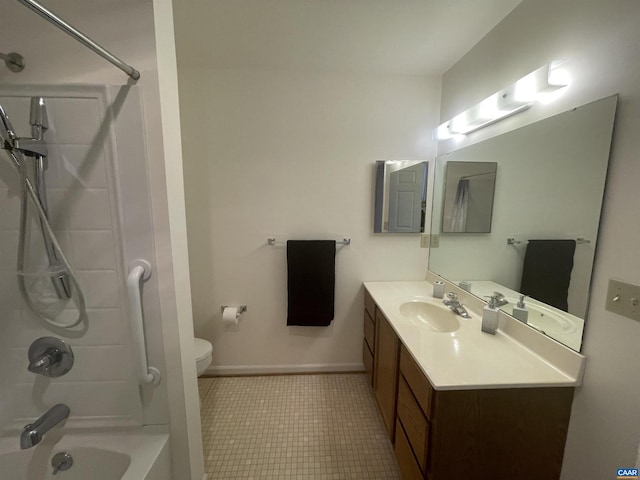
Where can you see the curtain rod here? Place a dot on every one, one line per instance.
(81, 37)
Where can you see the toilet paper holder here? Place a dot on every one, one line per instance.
(241, 308)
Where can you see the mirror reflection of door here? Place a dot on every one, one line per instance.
(406, 191)
(468, 197)
(400, 196)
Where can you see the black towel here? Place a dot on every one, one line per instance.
(546, 273)
(311, 278)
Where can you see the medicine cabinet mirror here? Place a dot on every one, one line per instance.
(550, 186)
(401, 196)
(468, 197)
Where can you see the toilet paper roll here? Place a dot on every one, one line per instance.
(230, 315)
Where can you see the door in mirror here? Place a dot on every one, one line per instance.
(401, 193)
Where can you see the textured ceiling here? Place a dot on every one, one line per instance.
(422, 37)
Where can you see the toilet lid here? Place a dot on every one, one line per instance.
(201, 348)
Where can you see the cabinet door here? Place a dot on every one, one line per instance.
(385, 381)
(367, 359)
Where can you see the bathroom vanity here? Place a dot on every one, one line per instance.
(457, 402)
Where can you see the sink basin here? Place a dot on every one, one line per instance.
(545, 319)
(433, 315)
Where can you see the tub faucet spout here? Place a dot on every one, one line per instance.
(32, 433)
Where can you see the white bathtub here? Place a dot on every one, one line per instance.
(137, 454)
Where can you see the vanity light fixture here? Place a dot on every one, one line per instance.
(541, 85)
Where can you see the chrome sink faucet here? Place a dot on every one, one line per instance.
(32, 433)
(453, 302)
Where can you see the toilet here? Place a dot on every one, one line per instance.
(203, 353)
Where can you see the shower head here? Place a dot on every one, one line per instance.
(7, 134)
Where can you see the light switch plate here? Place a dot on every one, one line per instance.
(425, 240)
(428, 240)
(624, 299)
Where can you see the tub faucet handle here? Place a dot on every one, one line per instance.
(50, 356)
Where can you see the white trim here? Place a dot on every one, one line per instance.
(284, 369)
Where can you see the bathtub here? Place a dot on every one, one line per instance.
(137, 454)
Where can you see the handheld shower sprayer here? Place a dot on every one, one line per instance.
(61, 273)
(7, 134)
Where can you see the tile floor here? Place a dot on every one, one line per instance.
(316, 427)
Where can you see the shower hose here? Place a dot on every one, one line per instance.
(27, 191)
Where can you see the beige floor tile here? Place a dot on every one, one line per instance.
(313, 427)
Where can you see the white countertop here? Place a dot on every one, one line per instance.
(571, 338)
(468, 358)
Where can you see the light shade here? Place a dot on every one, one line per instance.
(539, 85)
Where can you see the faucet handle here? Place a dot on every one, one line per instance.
(50, 356)
(452, 296)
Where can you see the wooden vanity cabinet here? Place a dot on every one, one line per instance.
(475, 434)
(478, 434)
(386, 350)
(385, 380)
(368, 343)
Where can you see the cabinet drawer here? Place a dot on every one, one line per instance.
(406, 461)
(416, 381)
(369, 331)
(369, 304)
(414, 422)
(367, 358)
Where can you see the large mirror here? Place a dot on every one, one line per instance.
(546, 212)
(401, 196)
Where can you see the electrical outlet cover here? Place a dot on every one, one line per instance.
(624, 299)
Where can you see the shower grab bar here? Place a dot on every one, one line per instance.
(80, 37)
(140, 271)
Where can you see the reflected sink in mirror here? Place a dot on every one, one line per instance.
(544, 319)
(433, 315)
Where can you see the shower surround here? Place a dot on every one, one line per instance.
(100, 212)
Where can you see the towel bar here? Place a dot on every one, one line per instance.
(513, 241)
(272, 241)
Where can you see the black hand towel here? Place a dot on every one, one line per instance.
(547, 271)
(311, 274)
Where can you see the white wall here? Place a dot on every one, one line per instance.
(602, 42)
(135, 31)
(291, 154)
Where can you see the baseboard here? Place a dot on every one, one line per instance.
(231, 370)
